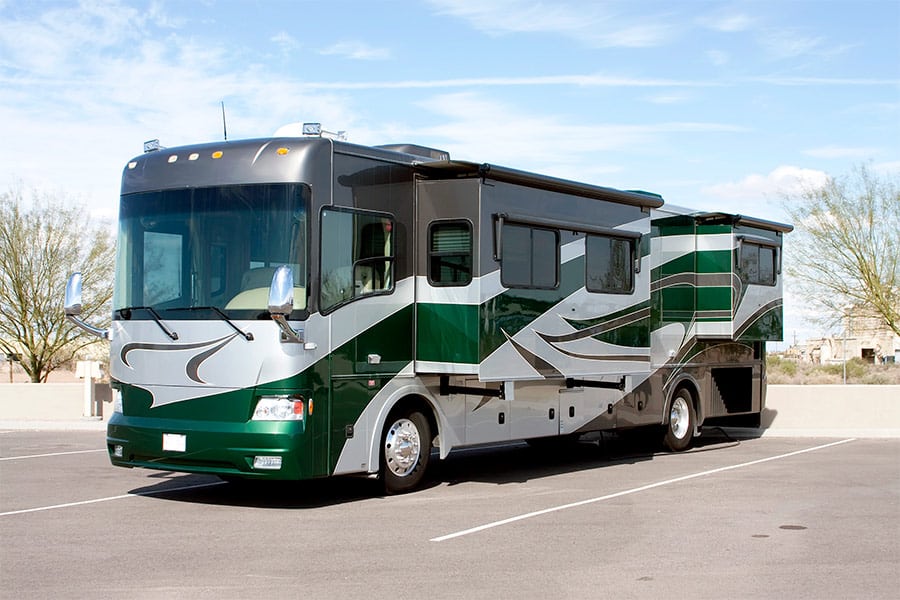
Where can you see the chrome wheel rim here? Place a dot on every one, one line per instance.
(402, 445)
(679, 417)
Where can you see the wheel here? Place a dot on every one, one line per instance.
(680, 430)
(405, 449)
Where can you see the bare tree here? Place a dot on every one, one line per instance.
(43, 238)
(846, 245)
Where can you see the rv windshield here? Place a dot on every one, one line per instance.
(209, 248)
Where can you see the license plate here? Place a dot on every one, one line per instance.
(174, 442)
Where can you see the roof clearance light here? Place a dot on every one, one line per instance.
(173, 158)
(282, 151)
(217, 154)
(194, 156)
(132, 164)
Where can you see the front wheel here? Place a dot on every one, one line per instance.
(405, 449)
(680, 430)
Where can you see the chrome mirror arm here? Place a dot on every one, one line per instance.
(281, 303)
(73, 307)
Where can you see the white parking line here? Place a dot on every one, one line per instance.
(108, 498)
(643, 488)
(52, 454)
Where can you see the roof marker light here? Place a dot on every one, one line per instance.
(282, 151)
(132, 164)
(173, 158)
(193, 156)
(217, 154)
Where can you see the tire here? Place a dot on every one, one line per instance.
(405, 450)
(682, 418)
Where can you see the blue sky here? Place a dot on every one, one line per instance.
(714, 105)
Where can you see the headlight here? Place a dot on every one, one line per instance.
(279, 408)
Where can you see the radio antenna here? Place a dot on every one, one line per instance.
(224, 128)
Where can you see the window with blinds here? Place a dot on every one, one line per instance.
(450, 253)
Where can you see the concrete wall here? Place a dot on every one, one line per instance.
(791, 410)
(832, 410)
(49, 401)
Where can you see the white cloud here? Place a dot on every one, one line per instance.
(789, 43)
(586, 80)
(832, 151)
(590, 23)
(783, 180)
(108, 81)
(668, 98)
(285, 42)
(727, 23)
(356, 50)
(475, 127)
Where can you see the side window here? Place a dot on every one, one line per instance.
(756, 263)
(450, 253)
(163, 254)
(609, 264)
(530, 257)
(357, 256)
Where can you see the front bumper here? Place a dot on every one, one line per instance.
(219, 448)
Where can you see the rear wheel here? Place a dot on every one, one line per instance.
(405, 449)
(680, 430)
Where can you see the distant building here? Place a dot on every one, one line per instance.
(865, 335)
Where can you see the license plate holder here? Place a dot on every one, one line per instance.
(174, 442)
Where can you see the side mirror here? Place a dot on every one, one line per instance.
(281, 292)
(73, 295)
(73, 306)
(281, 303)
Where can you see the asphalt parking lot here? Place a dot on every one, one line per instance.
(750, 518)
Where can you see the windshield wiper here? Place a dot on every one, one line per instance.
(125, 313)
(246, 334)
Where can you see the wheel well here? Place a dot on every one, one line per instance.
(691, 388)
(415, 402)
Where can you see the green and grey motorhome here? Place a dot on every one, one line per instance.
(294, 308)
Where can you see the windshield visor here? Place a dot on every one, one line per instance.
(210, 247)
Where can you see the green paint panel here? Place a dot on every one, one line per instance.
(713, 229)
(350, 398)
(634, 335)
(768, 328)
(714, 298)
(678, 303)
(714, 261)
(391, 339)
(676, 225)
(447, 333)
(682, 264)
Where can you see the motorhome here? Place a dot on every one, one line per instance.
(293, 308)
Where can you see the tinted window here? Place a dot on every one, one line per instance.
(609, 264)
(756, 263)
(530, 257)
